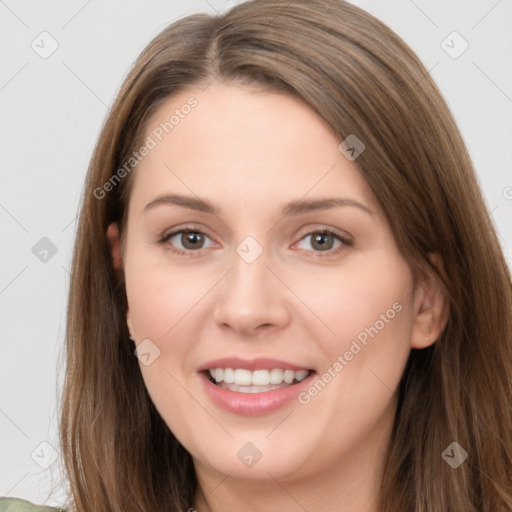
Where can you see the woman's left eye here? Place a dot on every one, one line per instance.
(188, 240)
(322, 241)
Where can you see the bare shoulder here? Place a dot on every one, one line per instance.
(19, 505)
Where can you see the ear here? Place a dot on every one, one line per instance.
(431, 307)
(117, 262)
(113, 238)
(130, 325)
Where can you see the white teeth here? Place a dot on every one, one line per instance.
(289, 375)
(241, 377)
(301, 375)
(229, 376)
(260, 378)
(276, 376)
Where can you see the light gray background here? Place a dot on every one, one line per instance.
(52, 110)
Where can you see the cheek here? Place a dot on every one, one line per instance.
(366, 299)
(160, 297)
(161, 304)
(375, 319)
(364, 334)
(168, 306)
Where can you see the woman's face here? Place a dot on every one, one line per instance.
(255, 249)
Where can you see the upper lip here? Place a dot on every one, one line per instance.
(260, 363)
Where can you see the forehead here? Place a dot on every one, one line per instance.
(243, 142)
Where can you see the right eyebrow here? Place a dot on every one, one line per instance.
(192, 203)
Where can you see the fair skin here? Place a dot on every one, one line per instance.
(248, 153)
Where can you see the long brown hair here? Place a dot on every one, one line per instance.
(362, 79)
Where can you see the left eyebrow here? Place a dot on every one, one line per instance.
(299, 207)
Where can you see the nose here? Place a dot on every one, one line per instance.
(251, 300)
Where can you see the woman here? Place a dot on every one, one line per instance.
(282, 220)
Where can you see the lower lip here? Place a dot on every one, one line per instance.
(253, 404)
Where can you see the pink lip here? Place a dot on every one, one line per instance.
(261, 363)
(252, 404)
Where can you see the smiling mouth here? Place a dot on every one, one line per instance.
(258, 381)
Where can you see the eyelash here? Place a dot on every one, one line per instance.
(345, 243)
